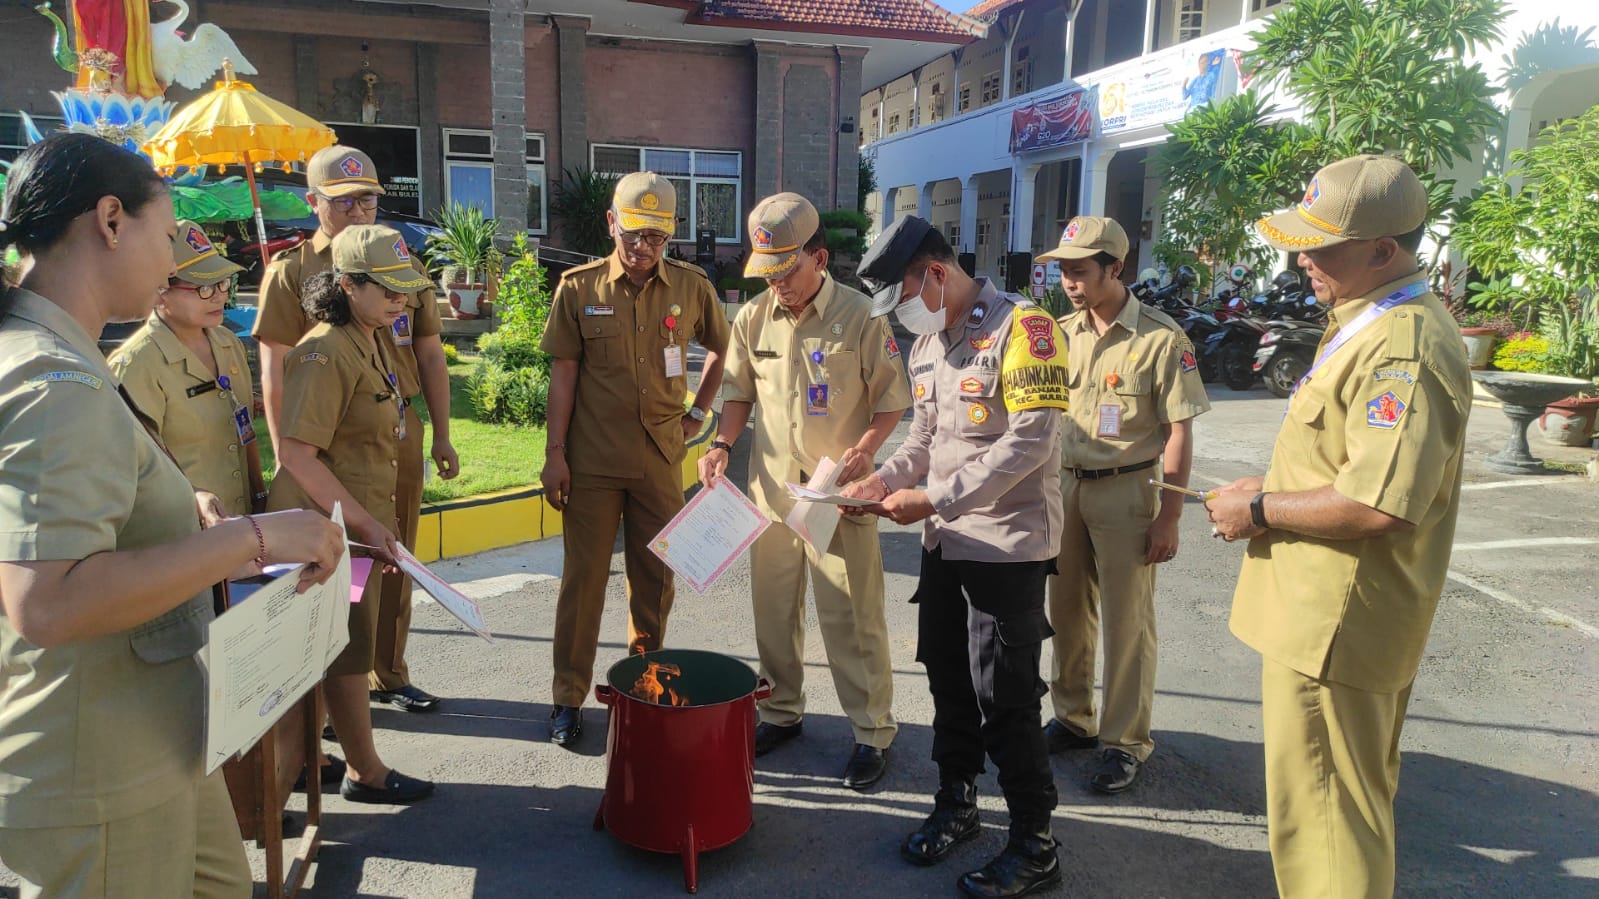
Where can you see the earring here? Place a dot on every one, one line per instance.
(113, 241)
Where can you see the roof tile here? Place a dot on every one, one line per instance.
(864, 16)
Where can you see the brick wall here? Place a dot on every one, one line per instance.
(675, 95)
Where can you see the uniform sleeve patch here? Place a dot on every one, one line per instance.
(1040, 331)
(76, 377)
(891, 347)
(971, 385)
(1395, 374)
(1385, 411)
(318, 358)
(1188, 362)
(1034, 373)
(921, 390)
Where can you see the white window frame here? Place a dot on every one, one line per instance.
(1190, 20)
(965, 104)
(993, 88)
(694, 181)
(534, 160)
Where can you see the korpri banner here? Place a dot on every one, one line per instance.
(1054, 123)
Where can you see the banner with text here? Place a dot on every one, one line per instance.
(1054, 123)
(1162, 92)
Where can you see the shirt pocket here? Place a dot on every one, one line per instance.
(980, 413)
(828, 361)
(602, 339)
(1129, 387)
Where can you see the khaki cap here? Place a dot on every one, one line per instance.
(1089, 235)
(339, 171)
(779, 227)
(645, 200)
(380, 252)
(1359, 198)
(198, 261)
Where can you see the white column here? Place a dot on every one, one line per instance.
(968, 215)
(1010, 53)
(1096, 174)
(1072, 9)
(1518, 130)
(1022, 207)
(1243, 14)
(1149, 25)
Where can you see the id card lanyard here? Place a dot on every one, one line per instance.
(1373, 312)
(243, 423)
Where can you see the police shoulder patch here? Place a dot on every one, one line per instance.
(71, 375)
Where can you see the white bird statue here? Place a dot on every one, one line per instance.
(191, 62)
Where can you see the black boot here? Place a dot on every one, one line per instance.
(954, 820)
(1029, 864)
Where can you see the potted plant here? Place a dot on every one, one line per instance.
(464, 249)
(1531, 234)
(1481, 330)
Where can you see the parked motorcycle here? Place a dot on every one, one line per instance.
(243, 247)
(1287, 350)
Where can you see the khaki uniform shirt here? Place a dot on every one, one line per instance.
(281, 319)
(993, 476)
(1126, 386)
(817, 381)
(108, 727)
(193, 415)
(619, 336)
(1384, 422)
(336, 397)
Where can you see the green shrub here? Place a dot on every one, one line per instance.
(846, 218)
(504, 395)
(451, 354)
(523, 302)
(1522, 352)
(512, 350)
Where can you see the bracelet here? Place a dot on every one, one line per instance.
(550, 447)
(1257, 511)
(260, 541)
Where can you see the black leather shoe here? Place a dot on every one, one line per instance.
(397, 789)
(865, 767)
(770, 736)
(953, 821)
(566, 725)
(409, 697)
(332, 774)
(1117, 771)
(1029, 864)
(1061, 738)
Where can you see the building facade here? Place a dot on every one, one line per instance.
(488, 102)
(1056, 111)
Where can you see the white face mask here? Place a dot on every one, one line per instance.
(917, 318)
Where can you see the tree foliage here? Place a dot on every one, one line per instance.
(1388, 77)
(580, 203)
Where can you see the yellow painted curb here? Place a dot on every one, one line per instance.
(474, 524)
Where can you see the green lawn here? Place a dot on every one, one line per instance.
(493, 457)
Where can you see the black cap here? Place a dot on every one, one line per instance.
(883, 267)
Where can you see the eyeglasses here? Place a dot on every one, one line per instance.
(345, 204)
(654, 239)
(203, 291)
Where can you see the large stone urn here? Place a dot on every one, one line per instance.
(1524, 397)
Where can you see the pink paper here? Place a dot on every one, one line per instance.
(359, 569)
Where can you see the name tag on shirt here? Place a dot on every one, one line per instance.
(1110, 420)
(766, 354)
(674, 361)
(198, 389)
(599, 310)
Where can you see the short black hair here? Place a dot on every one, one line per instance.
(1410, 241)
(933, 248)
(817, 242)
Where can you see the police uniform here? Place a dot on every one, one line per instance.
(339, 396)
(625, 444)
(280, 319)
(993, 477)
(99, 738)
(1126, 387)
(197, 414)
(1341, 624)
(817, 381)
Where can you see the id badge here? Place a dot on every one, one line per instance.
(674, 361)
(1110, 420)
(816, 399)
(244, 425)
(402, 330)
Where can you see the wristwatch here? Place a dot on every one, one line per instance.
(722, 445)
(1257, 511)
(696, 413)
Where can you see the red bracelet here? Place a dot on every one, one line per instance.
(260, 541)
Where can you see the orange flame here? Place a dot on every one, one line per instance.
(649, 687)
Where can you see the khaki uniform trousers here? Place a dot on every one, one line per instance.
(186, 846)
(1103, 579)
(389, 671)
(1332, 769)
(849, 612)
(595, 508)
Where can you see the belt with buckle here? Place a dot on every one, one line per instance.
(1094, 474)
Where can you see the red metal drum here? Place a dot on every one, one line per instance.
(680, 779)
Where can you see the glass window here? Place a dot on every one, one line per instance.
(716, 206)
(471, 184)
(535, 198)
(616, 160)
(469, 173)
(708, 183)
(725, 165)
(965, 98)
(669, 162)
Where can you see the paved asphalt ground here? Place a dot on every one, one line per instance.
(1499, 791)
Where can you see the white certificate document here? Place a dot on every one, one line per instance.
(268, 651)
(710, 534)
(815, 521)
(454, 601)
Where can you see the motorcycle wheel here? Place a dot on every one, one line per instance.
(1208, 370)
(1237, 368)
(1283, 372)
